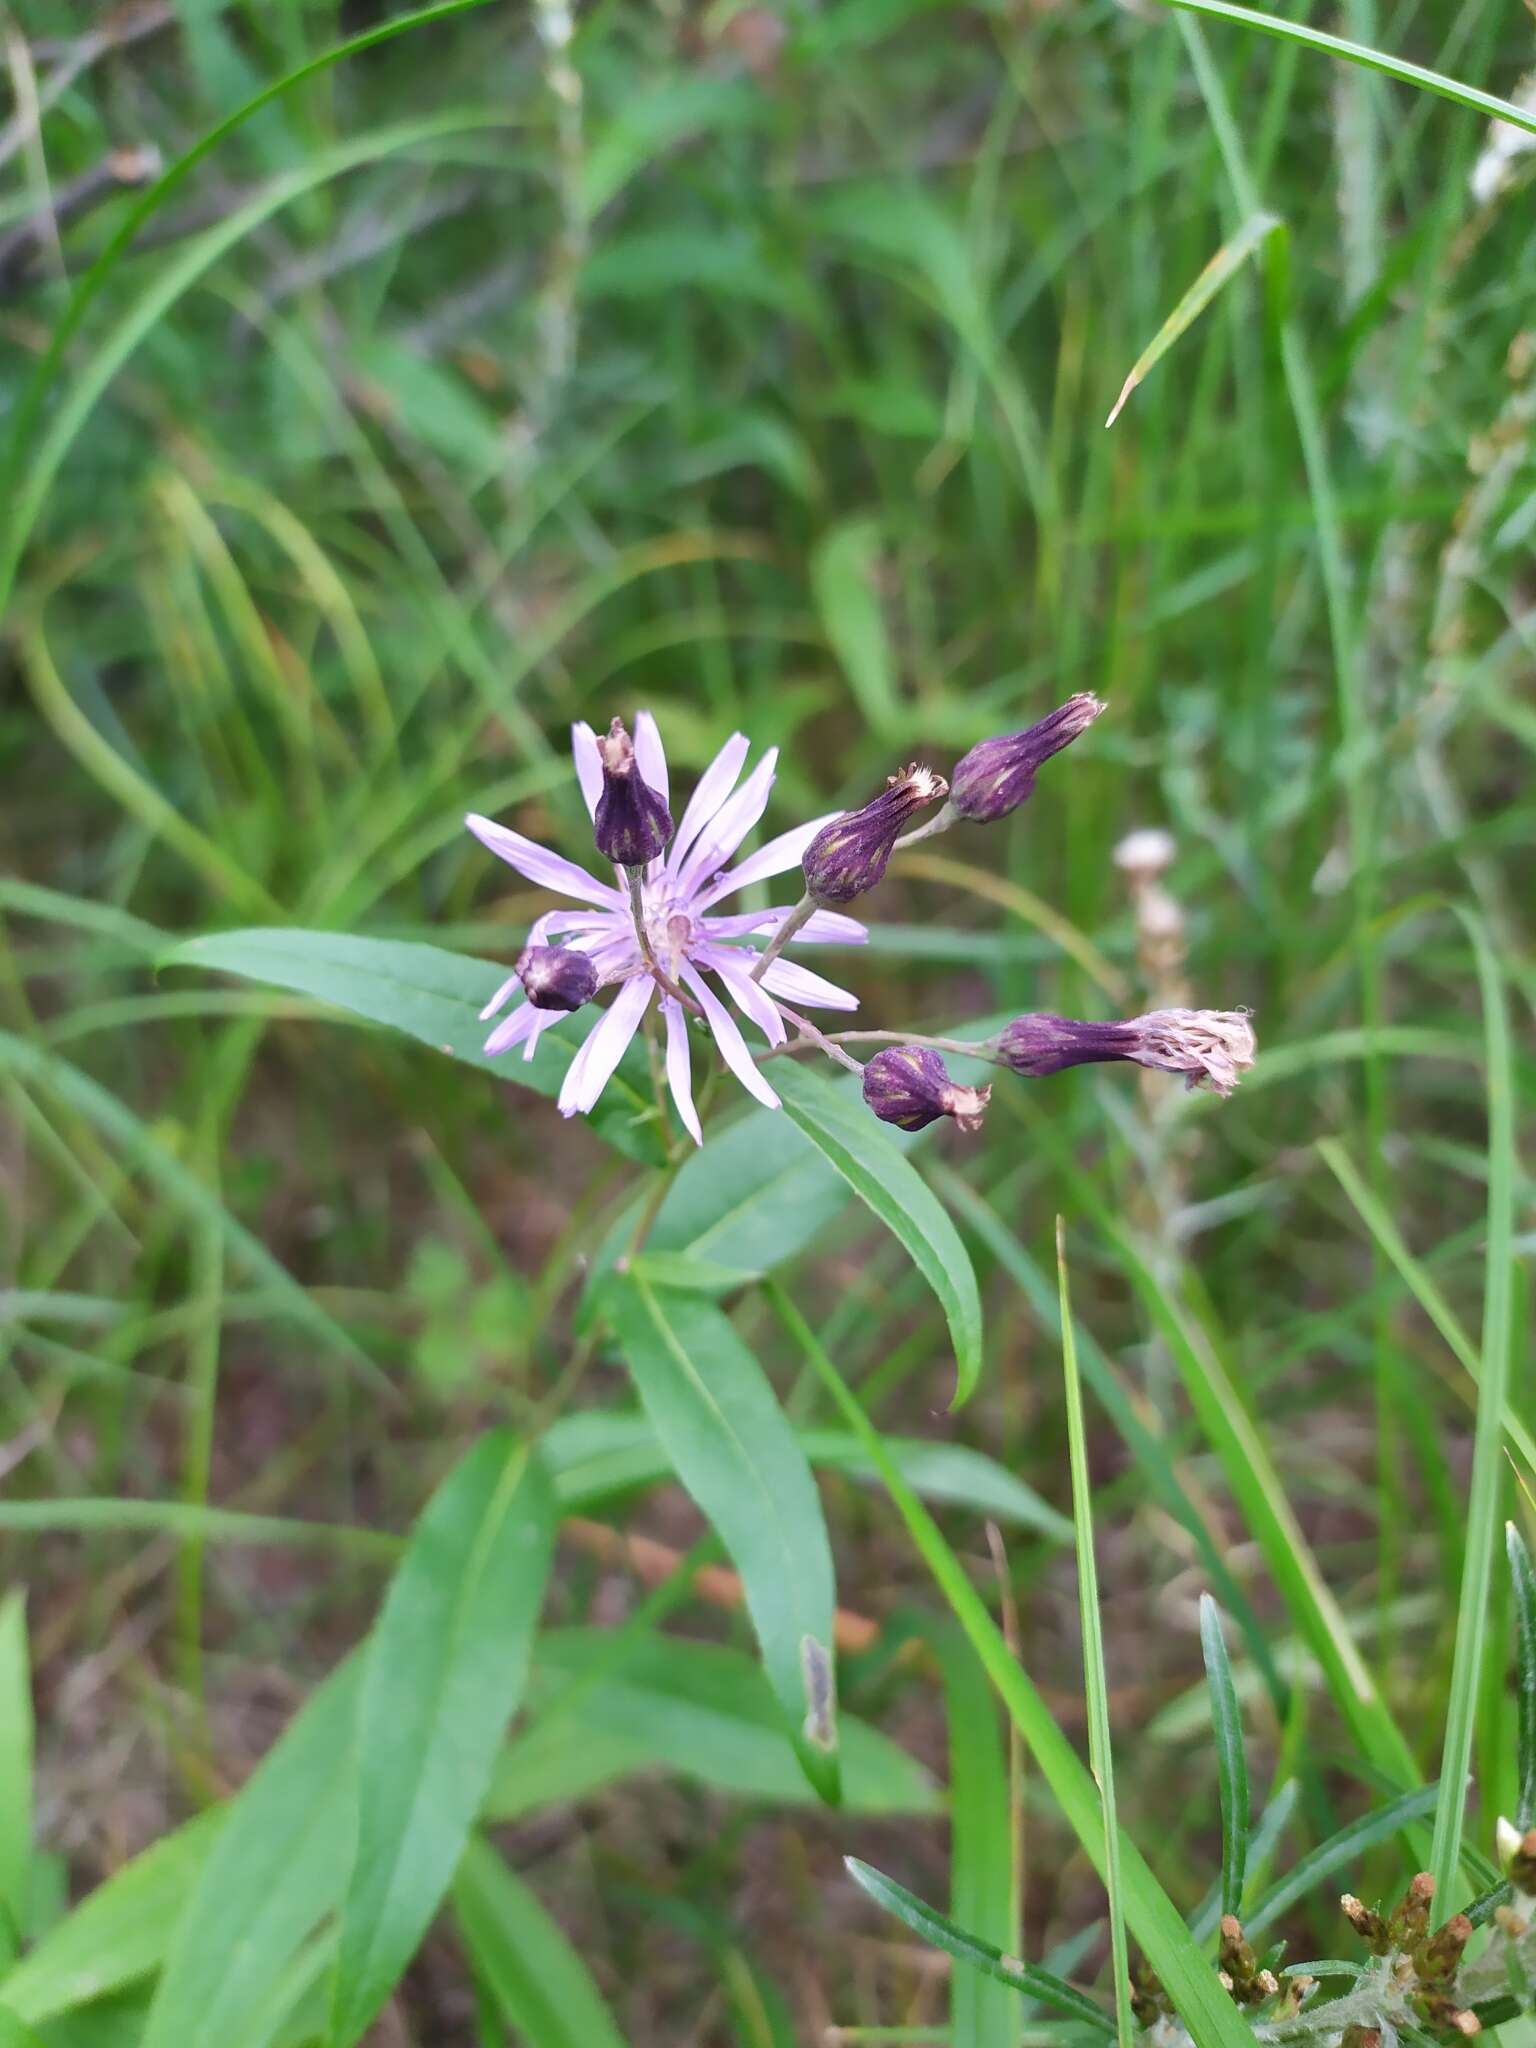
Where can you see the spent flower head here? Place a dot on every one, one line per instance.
(556, 977)
(1210, 1048)
(849, 855)
(909, 1085)
(997, 775)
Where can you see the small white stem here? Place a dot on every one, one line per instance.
(803, 911)
(941, 821)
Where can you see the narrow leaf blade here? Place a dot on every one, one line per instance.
(537, 1980)
(1231, 1759)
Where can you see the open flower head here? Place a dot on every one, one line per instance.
(704, 953)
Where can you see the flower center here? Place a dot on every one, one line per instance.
(668, 927)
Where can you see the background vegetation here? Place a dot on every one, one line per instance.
(751, 365)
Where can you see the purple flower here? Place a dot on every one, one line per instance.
(849, 855)
(678, 893)
(631, 823)
(556, 977)
(1210, 1048)
(997, 775)
(910, 1085)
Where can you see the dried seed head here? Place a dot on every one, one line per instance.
(909, 1085)
(1210, 1048)
(850, 855)
(997, 775)
(556, 977)
(632, 823)
(1145, 854)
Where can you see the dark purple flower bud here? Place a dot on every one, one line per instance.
(909, 1085)
(556, 977)
(849, 855)
(997, 775)
(1210, 1048)
(632, 822)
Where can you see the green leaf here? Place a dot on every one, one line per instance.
(16, 1732)
(939, 1929)
(596, 1453)
(537, 1981)
(687, 1275)
(276, 1869)
(1344, 1848)
(1525, 1673)
(702, 1710)
(889, 1185)
(1484, 1501)
(1231, 1759)
(1229, 258)
(119, 1932)
(434, 997)
(845, 578)
(444, 1671)
(730, 1444)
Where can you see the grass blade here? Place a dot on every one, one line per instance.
(16, 1734)
(1231, 1760)
(981, 2013)
(1229, 259)
(1347, 1846)
(1483, 1503)
(1525, 1673)
(732, 1447)
(1374, 60)
(1095, 1684)
(889, 1185)
(1212, 2019)
(445, 1668)
(537, 1980)
(941, 1931)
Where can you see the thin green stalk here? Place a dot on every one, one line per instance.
(1095, 1685)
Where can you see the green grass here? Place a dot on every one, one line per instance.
(755, 370)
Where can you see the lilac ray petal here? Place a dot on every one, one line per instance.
(514, 1029)
(730, 824)
(588, 923)
(710, 792)
(603, 1047)
(797, 984)
(546, 1019)
(732, 968)
(679, 1067)
(822, 927)
(589, 766)
(538, 864)
(650, 754)
(733, 1047)
(775, 858)
(499, 1000)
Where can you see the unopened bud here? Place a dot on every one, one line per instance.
(556, 977)
(850, 855)
(1408, 1922)
(1358, 2035)
(909, 1085)
(1440, 1957)
(632, 823)
(1517, 1855)
(1367, 1923)
(997, 775)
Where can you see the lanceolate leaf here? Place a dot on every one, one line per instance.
(892, 1187)
(277, 1868)
(1231, 1762)
(730, 1444)
(433, 996)
(1525, 1673)
(537, 1981)
(444, 1671)
(15, 1774)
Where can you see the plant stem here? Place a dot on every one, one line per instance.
(970, 1048)
(801, 914)
(942, 819)
(664, 981)
(810, 1035)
